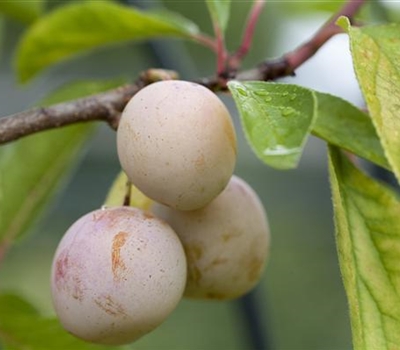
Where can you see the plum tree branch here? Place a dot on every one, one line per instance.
(108, 106)
(327, 31)
(289, 62)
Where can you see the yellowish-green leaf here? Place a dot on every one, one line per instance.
(367, 218)
(376, 51)
(31, 169)
(276, 118)
(344, 125)
(120, 191)
(76, 28)
(219, 11)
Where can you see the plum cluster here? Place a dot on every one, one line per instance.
(118, 272)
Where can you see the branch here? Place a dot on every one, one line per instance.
(288, 63)
(108, 106)
(221, 51)
(236, 58)
(327, 31)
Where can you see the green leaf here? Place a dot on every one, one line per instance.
(344, 125)
(276, 118)
(79, 27)
(31, 169)
(376, 51)
(11, 303)
(22, 11)
(219, 11)
(117, 194)
(264, 107)
(80, 89)
(368, 242)
(22, 328)
(186, 28)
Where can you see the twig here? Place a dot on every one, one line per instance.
(108, 106)
(236, 58)
(105, 106)
(221, 51)
(327, 31)
(288, 63)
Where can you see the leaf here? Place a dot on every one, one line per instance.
(184, 25)
(11, 303)
(219, 11)
(368, 242)
(118, 191)
(376, 51)
(338, 122)
(79, 27)
(276, 118)
(344, 125)
(80, 89)
(21, 328)
(22, 11)
(32, 168)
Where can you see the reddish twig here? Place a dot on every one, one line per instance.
(221, 51)
(236, 58)
(328, 30)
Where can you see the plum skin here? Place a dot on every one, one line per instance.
(116, 275)
(177, 143)
(226, 242)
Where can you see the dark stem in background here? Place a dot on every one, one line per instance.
(258, 333)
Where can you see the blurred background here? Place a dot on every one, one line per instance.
(300, 303)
